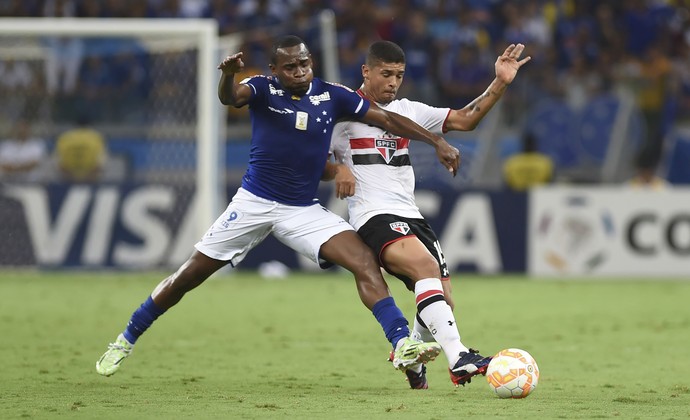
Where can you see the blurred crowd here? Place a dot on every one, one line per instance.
(579, 49)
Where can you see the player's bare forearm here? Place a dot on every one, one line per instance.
(232, 93)
(467, 118)
(344, 179)
(226, 91)
(448, 155)
(229, 91)
(402, 126)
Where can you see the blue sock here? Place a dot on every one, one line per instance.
(391, 319)
(141, 320)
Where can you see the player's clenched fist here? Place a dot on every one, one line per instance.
(232, 64)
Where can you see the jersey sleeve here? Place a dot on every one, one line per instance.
(351, 104)
(429, 117)
(258, 85)
(340, 142)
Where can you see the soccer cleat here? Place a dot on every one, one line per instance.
(111, 360)
(469, 364)
(417, 380)
(414, 351)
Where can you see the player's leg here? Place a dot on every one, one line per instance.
(412, 253)
(409, 257)
(327, 239)
(228, 240)
(191, 274)
(347, 250)
(168, 292)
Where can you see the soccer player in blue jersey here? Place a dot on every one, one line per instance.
(292, 115)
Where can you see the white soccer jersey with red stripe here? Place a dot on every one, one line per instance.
(380, 162)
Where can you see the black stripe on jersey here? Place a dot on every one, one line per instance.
(428, 301)
(402, 160)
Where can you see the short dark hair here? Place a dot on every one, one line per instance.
(385, 52)
(284, 42)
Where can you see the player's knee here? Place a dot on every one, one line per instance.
(363, 259)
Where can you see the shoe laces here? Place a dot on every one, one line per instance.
(120, 346)
(471, 356)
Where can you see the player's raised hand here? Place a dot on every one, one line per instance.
(449, 156)
(232, 64)
(507, 65)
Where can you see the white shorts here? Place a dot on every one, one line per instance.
(248, 220)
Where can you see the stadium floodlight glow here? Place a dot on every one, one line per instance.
(203, 34)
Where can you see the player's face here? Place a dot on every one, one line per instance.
(293, 69)
(382, 81)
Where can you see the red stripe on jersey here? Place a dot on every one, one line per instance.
(370, 143)
(362, 143)
(428, 294)
(444, 127)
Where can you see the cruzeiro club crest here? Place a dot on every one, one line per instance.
(386, 148)
(400, 227)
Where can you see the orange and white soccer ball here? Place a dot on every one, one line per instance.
(512, 373)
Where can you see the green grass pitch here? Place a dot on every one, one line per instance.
(305, 347)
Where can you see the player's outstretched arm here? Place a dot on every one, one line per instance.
(229, 91)
(401, 126)
(506, 66)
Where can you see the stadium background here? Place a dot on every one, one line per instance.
(608, 82)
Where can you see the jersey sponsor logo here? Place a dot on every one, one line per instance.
(400, 227)
(386, 148)
(281, 111)
(317, 99)
(273, 91)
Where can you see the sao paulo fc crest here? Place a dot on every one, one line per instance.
(386, 148)
(400, 227)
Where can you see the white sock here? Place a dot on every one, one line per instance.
(438, 317)
(420, 332)
(122, 337)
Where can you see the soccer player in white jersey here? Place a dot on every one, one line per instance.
(383, 209)
(293, 115)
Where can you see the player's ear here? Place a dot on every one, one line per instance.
(365, 71)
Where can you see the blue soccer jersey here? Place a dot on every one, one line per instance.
(291, 137)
